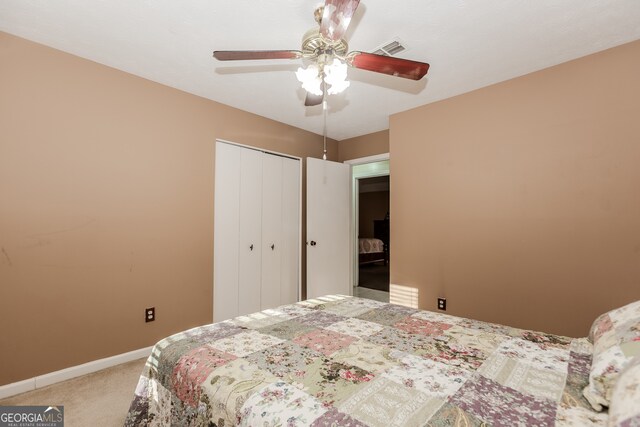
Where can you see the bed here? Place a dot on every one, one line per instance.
(345, 361)
(371, 250)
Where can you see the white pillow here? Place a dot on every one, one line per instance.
(625, 399)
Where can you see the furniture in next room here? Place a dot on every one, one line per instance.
(257, 230)
(371, 250)
(377, 248)
(381, 231)
(339, 360)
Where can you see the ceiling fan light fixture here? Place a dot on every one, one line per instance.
(338, 87)
(336, 76)
(310, 79)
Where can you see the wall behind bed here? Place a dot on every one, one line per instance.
(520, 202)
(106, 206)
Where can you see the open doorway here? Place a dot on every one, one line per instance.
(373, 233)
(370, 226)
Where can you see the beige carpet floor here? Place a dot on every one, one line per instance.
(98, 399)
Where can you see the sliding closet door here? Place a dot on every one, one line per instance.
(226, 229)
(250, 236)
(289, 282)
(271, 229)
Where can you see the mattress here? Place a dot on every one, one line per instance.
(345, 361)
(367, 245)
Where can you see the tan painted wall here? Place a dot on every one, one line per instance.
(106, 206)
(520, 202)
(364, 146)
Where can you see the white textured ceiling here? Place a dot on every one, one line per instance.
(469, 44)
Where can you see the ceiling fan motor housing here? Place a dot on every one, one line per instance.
(313, 45)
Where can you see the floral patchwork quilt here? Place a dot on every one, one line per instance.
(345, 361)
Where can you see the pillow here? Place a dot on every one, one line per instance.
(616, 340)
(625, 410)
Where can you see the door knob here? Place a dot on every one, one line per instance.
(273, 246)
(251, 247)
(313, 243)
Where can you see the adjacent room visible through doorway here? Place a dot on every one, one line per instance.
(373, 233)
(370, 227)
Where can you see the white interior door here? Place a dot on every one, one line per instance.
(328, 208)
(271, 230)
(250, 246)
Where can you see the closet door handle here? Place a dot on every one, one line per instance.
(251, 247)
(273, 246)
(313, 243)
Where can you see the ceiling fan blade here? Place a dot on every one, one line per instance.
(239, 55)
(388, 65)
(337, 17)
(312, 99)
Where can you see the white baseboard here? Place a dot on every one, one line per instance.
(17, 388)
(72, 372)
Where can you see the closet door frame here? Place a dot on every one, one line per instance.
(299, 214)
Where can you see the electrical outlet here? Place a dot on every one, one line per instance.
(149, 314)
(442, 304)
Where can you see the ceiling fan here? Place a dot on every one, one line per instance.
(328, 52)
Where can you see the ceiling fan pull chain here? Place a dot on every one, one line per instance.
(324, 114)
